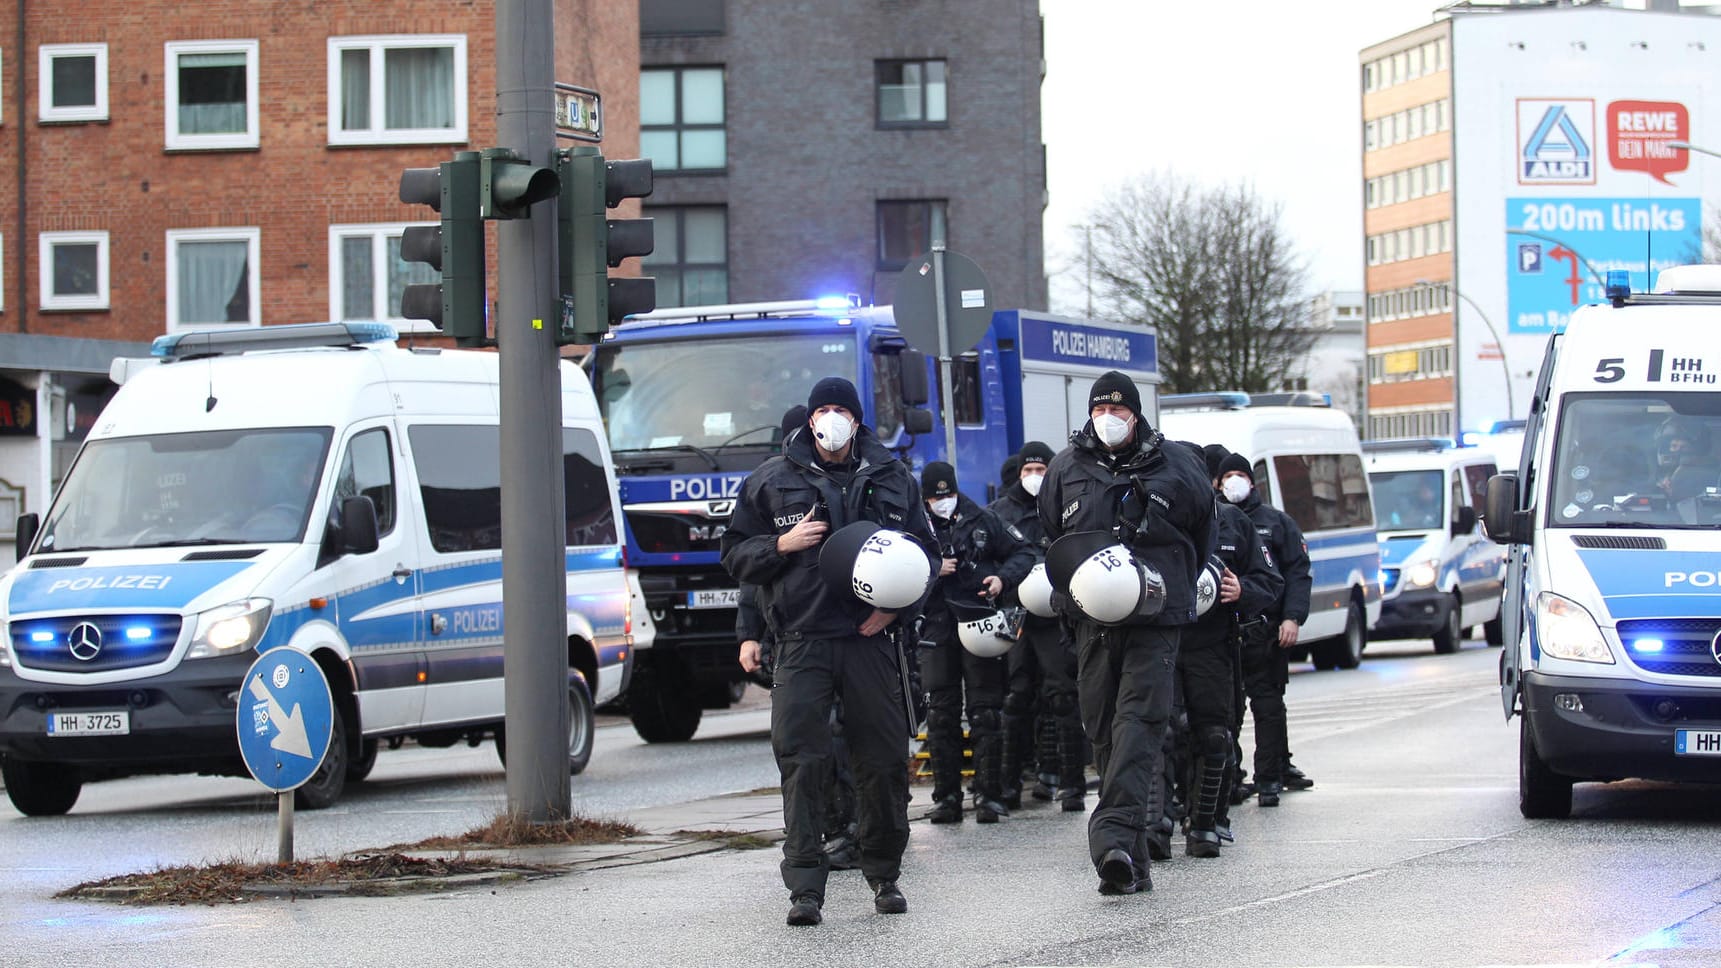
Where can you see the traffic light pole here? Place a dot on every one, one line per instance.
(534, 583)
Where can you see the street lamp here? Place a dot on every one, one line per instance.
(1688, 146)
(1566, 245)
(1505, 367)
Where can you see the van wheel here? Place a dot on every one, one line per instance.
(1494, 631)
(41, 789)
(360, 766)
(1542, 793)
(325, 786)
(1450, 636)
(662, 711)
(582, 729)
(1346, 650)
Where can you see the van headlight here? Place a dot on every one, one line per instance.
(1422, 574)
(1566, 630)
(5, 645)
(230, 628)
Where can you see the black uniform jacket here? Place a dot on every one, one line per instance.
(1284, 541)
(1018, 509)
(1154, 494)
(1240, 549)
(982, 544)
(872, 486)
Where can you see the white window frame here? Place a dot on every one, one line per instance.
(52, 301)
(2, 273)
(45, 57)
(378, 233)
(253, 239)
(376, 135)
(175, 140)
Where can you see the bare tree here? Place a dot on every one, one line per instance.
(1210, 269)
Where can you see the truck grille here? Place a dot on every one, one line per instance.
(675, 533)
(1685, 645)
(94, 643)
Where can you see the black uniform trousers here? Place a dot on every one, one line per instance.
(810, 675)
(956, 678)
(1124, 679)
(1266, 671)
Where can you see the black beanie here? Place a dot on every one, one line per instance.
(793, 418)
(1010, 471)
(1214, 453)
(834, 389)
(1035, 451)
(1235, 462)
(938, 480)
(1115, 387)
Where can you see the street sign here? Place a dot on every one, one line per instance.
(967, 303)
(285, 718)
(579, 113)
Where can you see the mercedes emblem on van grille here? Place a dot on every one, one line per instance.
(85, 641)
(1715, 646)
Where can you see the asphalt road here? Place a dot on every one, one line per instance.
(1409, 851)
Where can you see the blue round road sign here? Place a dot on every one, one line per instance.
(286, 716)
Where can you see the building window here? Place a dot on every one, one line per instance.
(408, 89)
(74, 270)
(681, 118)
(912, 93)
(74, 82)
(908, 229)
(690, 259)
(367, 275)
(212, 277)
(212, 94)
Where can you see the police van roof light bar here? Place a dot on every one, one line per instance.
(1409, 445)
(826, 306)
(200, 343)
(1226, 400)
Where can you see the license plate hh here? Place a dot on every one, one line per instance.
(106, 723)
(1697, 742)
(714, 598)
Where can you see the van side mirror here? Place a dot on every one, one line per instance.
(1501, 518)
(1463, 520)
(917, 421)
(26, 528)
(913, 383)
(358, 525)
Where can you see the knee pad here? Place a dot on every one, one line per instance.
(1215, 741)
(939, 719)
(1018, 704)
(1063, 704)
(987, 720)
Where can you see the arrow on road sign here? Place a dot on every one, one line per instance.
(290, 736)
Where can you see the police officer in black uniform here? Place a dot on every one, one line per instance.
(829, 642)
(981, 557)
(1266, 669)
(1120, 475)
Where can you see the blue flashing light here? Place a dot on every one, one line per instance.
(832, 302)
(1647, 645)
(40, 636)
(1469, 438)
(1618, 286)
(138, 633)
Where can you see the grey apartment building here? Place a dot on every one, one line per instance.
(813, 147)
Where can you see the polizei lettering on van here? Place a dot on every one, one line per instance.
(1695, 579)
(706, 488)
(97, 582)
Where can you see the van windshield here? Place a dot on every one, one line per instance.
(1633, 460)
(707, 393)
(1407, 500)
(211, 487)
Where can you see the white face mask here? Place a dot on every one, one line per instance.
(1031, 483)
(1111, 430)
(833, 430)
(1235, 489)
(944, 507)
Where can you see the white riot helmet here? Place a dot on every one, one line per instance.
(1103, 579)
(985, 634)
(886, 569)
(1206, 590)
(1035, 592)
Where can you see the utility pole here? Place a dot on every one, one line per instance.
(534, 583)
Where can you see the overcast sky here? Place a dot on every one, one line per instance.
(1217, 91)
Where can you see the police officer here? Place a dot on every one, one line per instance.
(1047, 659)
(981, 557)
(1266, 670)
(1246, 584)
(1119, 475)
(830, 643)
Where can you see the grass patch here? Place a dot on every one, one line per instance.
(235, 883)
(508, 830)
(733, 839)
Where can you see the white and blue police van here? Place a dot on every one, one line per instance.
(1307, 462)
(1440, 574)
(1612, 610)
(315, 486)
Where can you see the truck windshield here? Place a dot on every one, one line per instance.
(211, 487)
(708, 393)
(1407, 500)
(1634, 460)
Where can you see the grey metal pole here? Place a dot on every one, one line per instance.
(944, 361)
(534, 586)
(284, 827)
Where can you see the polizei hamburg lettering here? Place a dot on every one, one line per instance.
(109, 581)
(710, 487)
(1073, 342)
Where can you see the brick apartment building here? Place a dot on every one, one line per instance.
(235, 163)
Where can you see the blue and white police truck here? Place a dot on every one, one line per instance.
(315, 486)
(1612, 609)
(694, 398)
(1307, 462)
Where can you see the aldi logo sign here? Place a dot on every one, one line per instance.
(1556, 141)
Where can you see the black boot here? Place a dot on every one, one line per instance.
(1267, 792)
(1295, 779)
(804, 910)
(948, 810)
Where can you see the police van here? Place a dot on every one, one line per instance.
(1612, 611)
(1440, 574)
(314, 486)
(1307, 462)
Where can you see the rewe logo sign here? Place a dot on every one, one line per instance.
(1556, 139)
(1638, 135)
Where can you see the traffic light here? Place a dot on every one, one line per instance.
(455, 248)
(592, 243)
(510, 185)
